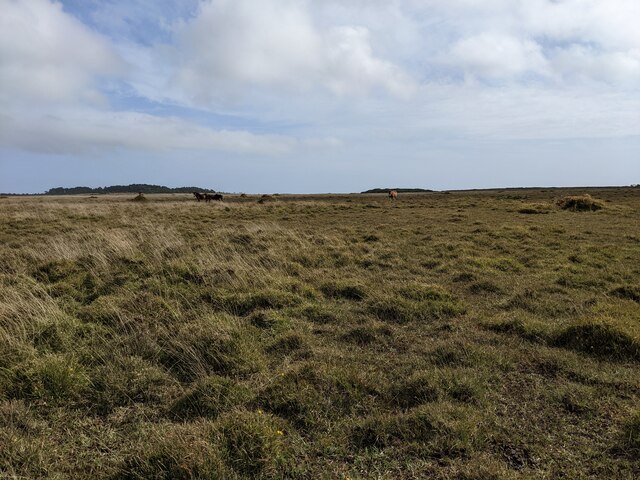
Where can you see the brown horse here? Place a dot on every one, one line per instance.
(199, 196)
(208, 197)
(393, 195)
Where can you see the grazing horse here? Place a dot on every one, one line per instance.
(393, 195)
(208, 197)
(199, 196)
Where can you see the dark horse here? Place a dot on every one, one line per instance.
(199, 196)
(208, 197)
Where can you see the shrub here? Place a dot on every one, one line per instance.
(599, 340)
(210, 397)
(580, 203)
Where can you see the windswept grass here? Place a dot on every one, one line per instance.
(447, 336)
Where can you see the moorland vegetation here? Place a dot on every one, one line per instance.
(438, 336)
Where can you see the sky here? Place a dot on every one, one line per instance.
(301, 96)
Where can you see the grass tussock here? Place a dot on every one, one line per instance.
(630, 438)
(255, 444)
(535, 209)
(438, 430)
(416, 302)
(209, 397)
(344, 290)
(627, 292)
(600, 340)
(580, 203)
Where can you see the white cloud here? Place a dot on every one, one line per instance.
(87, 132)
(48, 56)
(494, 54)
(242, 44)
(581, 62)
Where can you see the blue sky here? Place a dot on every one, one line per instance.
(302, 96)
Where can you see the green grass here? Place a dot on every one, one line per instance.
(446, 336)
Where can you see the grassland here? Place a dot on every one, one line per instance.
(471, 335)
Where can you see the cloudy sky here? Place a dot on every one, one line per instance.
(319, 96)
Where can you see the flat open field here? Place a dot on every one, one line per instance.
(339, 336)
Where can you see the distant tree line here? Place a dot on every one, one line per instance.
(133, 188)
(399, 190)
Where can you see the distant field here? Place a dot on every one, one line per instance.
(463, 335)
